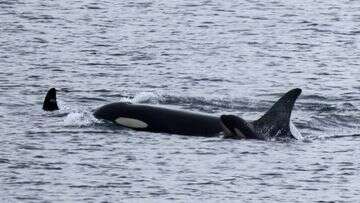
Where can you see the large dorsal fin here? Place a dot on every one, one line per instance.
(50, 103)
(276, 121)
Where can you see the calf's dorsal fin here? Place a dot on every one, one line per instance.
(50, 103)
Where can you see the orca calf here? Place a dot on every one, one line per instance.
(50, 103)
(274, 124)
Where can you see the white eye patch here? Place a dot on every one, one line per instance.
(131, 122)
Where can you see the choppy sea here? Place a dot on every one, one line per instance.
(208, 56)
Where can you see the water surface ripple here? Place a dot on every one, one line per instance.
(211, 56)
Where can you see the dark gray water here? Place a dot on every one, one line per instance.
(210, 56)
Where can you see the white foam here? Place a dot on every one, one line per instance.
(126, 99)
(82, 118)
(63, 107)
(147, 97)
(144, 97)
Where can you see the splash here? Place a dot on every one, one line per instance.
(76, 116)
(81, 118)
(145, 97)
(63, 107)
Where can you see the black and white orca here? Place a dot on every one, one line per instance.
(275, 123)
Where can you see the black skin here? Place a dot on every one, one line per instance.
(164, 120)
(50, 103)
(275, 123)
(231, 122)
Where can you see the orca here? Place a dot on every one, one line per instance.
(275, 123)
(159, 119)
(50, 103)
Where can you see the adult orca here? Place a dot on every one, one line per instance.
(275, 123)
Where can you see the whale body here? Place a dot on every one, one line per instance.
(275, 123)
(159, 119)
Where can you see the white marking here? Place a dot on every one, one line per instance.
(131, 122)
(239, 133)
(227, 132)
(295, 132)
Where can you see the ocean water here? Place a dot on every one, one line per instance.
(217, 57)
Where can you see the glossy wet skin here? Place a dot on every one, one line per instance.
(161, 119)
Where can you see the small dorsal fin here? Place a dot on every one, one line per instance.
(276, 121)
(50, 103)
(237, 128)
